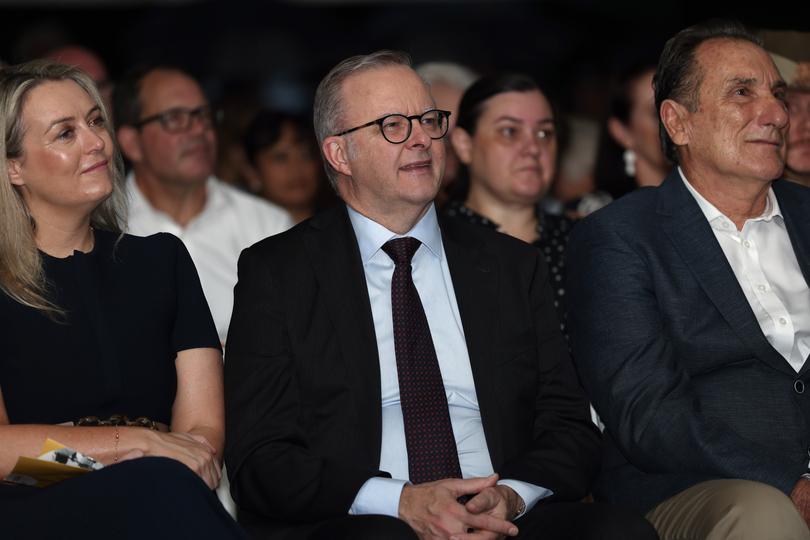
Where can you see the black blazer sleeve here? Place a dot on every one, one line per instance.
(271, 470)
(534, 412)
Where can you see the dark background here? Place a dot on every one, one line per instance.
(276, 52)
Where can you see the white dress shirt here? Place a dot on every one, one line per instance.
(230, 221)
(431, 276)
(765, 265)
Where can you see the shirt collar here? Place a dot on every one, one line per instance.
(371, 235)
(712, 212)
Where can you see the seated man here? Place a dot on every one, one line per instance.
(165, 127)
(690, 316)
(376, 356)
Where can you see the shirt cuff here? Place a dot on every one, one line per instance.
(379, 496)
(528, 492)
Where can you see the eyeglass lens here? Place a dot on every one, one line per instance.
(396, 128)
(177, 120)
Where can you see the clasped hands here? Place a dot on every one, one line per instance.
(433, 511)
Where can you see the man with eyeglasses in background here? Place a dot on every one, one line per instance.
(383, 366)
(165, 127)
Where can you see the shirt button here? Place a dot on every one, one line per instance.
(798, 386)
(747, 244)
(725, 224)
(761, 288)
(782, 321)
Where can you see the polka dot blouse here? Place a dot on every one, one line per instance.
(553, 234)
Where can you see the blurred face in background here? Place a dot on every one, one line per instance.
(798, 150)
(448, 98)
(512, 154)
(640, 132)
(174, 156)
(288, 170)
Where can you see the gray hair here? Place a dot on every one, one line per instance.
(449, 73)
(21, 274)
(328, 108)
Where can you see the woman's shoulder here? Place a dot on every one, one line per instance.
(140, 252)
(129, 243)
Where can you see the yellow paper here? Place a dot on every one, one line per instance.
(40, 473)
(44, 473)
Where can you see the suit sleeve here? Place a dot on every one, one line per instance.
(564, 452)
(271, 470)
(632, 373)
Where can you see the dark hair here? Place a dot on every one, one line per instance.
(620, 103)
(609, 171)
(678, 76)
(472, 103)
(472, 106)
(265, 130)
(126, 99)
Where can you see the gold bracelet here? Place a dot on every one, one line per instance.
(115, 451)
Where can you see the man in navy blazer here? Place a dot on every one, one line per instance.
(315, 418)
(690, 312)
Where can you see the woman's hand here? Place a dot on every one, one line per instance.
(192, 450)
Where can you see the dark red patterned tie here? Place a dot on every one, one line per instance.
(432, 453)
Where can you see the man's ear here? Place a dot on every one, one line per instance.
(462, 144)
(14, 170)
(619, 132)
(676, 119)
(337, 155)
(130, 143)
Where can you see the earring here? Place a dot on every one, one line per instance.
(629, 163)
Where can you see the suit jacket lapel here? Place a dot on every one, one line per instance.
(475, 282)
(797, 221)
(332, 247)
(695, 242)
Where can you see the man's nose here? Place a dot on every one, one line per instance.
(775, 113)
(419, 136)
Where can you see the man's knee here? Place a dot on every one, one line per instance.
(721, 509)
(754, 509)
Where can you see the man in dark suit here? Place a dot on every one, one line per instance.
(375, 357)
(691, 309)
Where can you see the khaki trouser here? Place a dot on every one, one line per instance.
(729, 509)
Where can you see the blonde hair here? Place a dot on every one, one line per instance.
(21, 273)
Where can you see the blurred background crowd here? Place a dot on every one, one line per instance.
(259, 63)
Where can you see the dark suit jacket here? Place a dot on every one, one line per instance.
(672, 355)
(302, 377)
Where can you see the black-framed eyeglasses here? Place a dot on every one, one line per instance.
(179, 119)
(396, 128)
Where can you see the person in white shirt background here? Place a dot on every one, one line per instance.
(165, 126)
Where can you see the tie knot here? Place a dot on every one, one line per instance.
(401, 250)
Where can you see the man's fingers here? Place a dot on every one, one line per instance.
(477, 535)
(469, 486)
(483, 501)
(484, 522)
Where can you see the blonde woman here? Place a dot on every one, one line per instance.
(108, 344)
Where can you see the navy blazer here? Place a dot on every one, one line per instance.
(671, 353)
(302, 377)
